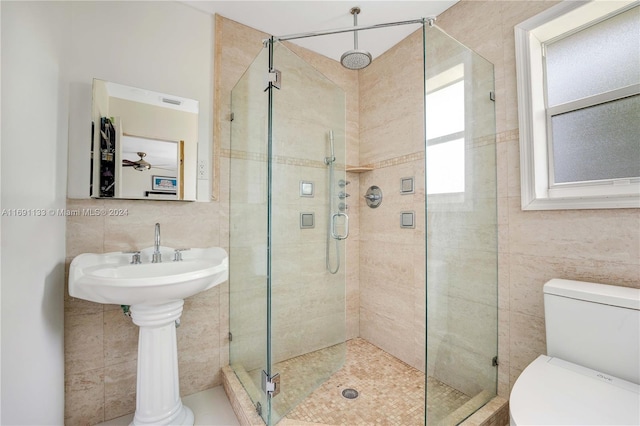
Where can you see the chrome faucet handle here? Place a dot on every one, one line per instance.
(177, 254)
(135, 259)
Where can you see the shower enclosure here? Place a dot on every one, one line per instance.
(289, 218)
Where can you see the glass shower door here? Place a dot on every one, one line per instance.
(248, 232)
(462, 245)
(287, 250)
(308, 225)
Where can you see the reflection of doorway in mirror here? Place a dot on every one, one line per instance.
(151, 118)
(144, 157)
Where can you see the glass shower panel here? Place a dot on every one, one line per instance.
(248, 231)
(308, 302)
(461, 229)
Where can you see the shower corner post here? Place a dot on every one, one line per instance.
(269, 359)
(426, 215)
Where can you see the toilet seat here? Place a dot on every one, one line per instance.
(551, 391)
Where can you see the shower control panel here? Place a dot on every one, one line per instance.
(373, 196)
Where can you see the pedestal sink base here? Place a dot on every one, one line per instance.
(158, 392)
(184, 417)
(155, 292)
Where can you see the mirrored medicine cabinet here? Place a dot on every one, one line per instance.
(144, 144)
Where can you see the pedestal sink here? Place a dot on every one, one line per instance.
(155, 293)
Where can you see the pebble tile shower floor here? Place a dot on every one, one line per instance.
(390, 391)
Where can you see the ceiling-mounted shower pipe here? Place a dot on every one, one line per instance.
(298, 36)
(355, 59)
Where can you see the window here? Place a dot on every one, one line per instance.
(578, 68)
(445, 132)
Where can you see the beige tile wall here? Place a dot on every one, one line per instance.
(348, 82)
(590, 245)
(392, 267)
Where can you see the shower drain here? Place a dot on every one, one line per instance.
(350, 393)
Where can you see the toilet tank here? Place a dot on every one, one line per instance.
(594, 325)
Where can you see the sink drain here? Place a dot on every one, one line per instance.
(350, 393)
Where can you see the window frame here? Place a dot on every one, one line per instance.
(535, 157)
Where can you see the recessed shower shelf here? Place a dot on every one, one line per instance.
(359, 169)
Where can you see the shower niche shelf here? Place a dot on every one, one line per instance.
(359, 169)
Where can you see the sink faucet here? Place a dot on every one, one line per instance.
(157, 256)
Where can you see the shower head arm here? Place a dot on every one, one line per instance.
(354, 12)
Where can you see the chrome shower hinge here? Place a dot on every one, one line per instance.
(270, 384)
(273, 79)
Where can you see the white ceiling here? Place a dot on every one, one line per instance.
(281, 18)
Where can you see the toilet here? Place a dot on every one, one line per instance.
(591, 373)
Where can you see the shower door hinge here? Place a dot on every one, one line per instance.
(273, 79)
(230, 337)
(231, 116)
(270, 385)
(492, 96)
(494, 361)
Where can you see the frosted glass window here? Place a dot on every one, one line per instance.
(598, 59)
(445, 111)
(445, 167)
(600, 142)
(578, 78)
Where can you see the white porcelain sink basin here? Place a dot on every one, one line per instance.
(111, 278)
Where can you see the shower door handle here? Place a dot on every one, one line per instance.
(334, 218)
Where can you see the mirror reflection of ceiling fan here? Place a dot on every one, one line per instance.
(141, 165)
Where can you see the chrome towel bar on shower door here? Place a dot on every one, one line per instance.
(333, 226)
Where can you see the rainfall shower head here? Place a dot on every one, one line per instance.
(355, 59)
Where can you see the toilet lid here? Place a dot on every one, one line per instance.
(551, 391)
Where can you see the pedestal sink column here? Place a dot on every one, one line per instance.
(158, 393)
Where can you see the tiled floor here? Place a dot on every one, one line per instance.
(390, 391)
